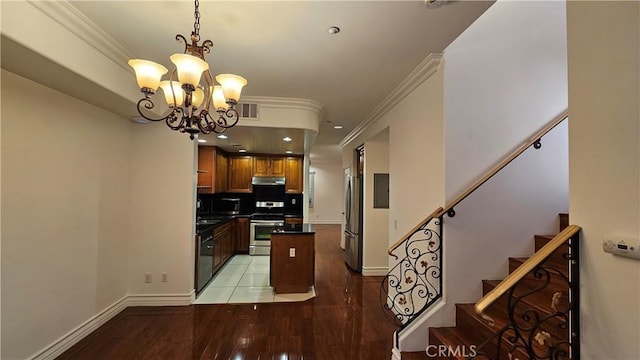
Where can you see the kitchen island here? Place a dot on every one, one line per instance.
(292, 259)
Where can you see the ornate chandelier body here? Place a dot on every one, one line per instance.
(189, 99)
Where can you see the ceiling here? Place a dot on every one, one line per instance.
(284, 50)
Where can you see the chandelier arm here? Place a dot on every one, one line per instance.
(148, 104)
(207, 45)
(208, 91)
(181, 39)
(228, 118)
(172, 119)
(213, 125)
(204, 123)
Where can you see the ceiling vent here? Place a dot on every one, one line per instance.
(248, 111)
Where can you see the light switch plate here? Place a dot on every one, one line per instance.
(292, 252)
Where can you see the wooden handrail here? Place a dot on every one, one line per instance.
(415, 228)
(439, 212)
(535, 138)
(518, 274)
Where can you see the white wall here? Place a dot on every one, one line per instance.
(328, 193)
(65, 201)
(604, 138)
(162, 212)
(504, 79)
(375, 223)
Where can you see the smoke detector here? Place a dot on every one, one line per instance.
(433, 4)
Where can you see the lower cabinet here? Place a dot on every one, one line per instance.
(223, 244)
(292, 262)
(242, 236)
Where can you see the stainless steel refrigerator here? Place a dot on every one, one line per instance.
(353, 223)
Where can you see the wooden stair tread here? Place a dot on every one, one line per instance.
(541, 301)
(561, 266)
(415, 355)
(474, 329)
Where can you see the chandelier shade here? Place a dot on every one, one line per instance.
(171, 88)
(219, 102)
(190, 90)
(148, 73)
(231, 85)
(190, 68)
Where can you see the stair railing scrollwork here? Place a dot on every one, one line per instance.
(415, 282)
(550, 330)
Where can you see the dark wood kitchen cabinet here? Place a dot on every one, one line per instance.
(212, 170)
(223, 244)
(292, 262)
(268, 166)
(240, 173)
(222, 171)
(293, 173)
(206, 168)
(242, 235)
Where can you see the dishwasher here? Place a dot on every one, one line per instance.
(205, 258)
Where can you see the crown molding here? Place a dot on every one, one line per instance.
(65, 14)
(420, 74)
(285, 103)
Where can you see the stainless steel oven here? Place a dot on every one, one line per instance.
(260, 235)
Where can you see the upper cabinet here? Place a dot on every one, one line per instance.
(268, 166)
(206, 169)
(212, 170)
(240, 173)
(219, 172)
(222, 172)
(293, 174)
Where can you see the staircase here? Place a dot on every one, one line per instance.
(539, 306)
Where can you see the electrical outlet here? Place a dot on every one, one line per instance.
(164, 277)
(292, 252)
(147, 278)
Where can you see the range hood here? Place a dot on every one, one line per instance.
(267, 180)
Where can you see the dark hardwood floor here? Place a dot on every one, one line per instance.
(344, 322)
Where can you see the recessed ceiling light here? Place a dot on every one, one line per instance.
(287, 139)
(289, 152)
(337, 126)
(202, 140)
(222, 136)
(333, 30)
(242, 150)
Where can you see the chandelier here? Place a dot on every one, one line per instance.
(189, 98)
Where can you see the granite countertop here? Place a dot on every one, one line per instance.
(296, 229)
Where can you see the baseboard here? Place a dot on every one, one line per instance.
(325, 222)
(161, 299)
(395, 354)
(64, 343)
(71, 338)
(375, 271)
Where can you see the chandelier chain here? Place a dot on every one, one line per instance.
(196, 24)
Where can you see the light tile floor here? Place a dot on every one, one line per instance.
(245, 279)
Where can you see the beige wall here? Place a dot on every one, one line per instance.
(375, 235)
(604, 170)
(162, 211)
(328, 192)
(65, 177)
